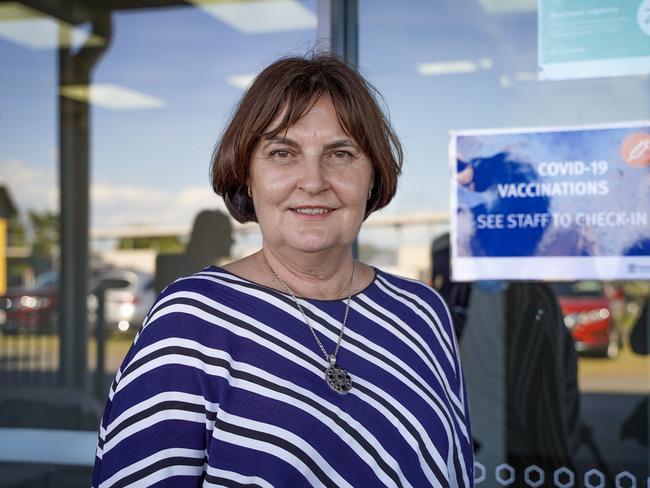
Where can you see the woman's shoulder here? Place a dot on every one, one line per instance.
(184, 312)
(410, 286)
(417, 296)
(208, 282)
(193, 296)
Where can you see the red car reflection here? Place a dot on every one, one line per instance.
(588, 315)
(32, 309)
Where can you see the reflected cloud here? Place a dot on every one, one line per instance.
(114, 97)
(112, 205)
(241, 81)
(33, 29)
(458, 66)
(260, 16)
(508, 6)
(126, 205)
(30, 186)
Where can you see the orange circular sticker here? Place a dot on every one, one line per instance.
(635, 149)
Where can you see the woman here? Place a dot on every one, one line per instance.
(297, 365)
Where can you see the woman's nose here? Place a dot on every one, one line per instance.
(312, 178)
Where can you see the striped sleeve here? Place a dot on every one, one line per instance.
(464, 463)
(160, 411)
(432, 308)
(466, 448)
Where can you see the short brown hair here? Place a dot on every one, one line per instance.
(296, 83)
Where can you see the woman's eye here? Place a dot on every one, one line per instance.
(342, 155)
(280, 154)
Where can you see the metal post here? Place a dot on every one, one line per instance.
(100, 334)
(74, 154)
(338, 27)
(74, 181)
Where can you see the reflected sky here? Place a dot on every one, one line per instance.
(501, 92)
(141, 158)
(151, 164)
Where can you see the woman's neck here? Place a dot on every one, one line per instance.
(314, 276)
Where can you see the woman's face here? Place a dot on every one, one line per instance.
(310, 184)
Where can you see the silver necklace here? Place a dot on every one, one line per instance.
(337, 378)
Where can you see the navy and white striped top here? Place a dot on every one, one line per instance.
(224, 386)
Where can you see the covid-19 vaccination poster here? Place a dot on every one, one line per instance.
(551, 203)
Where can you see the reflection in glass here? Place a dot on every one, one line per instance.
(532, 353)
(109, 114)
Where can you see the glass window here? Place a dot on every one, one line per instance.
(137, 93)
(558, 379)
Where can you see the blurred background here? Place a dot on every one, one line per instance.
(109, 112)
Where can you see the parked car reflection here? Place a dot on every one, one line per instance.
(32, 309)
(129, 295)
(588, 314)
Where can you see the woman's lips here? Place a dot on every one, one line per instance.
(312, 213)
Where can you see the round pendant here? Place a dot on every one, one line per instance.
(338, 379)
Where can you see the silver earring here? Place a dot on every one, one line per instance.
(250, 193)
(369, 193)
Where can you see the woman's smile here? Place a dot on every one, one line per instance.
(312, 213)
